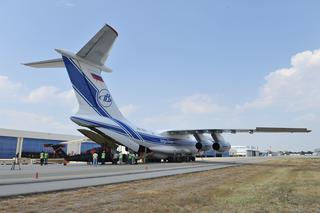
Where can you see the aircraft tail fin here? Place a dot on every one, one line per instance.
(97, 49)
(84, 70)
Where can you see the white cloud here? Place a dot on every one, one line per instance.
(128, 109)
(165, 120)
(307, 118)
(194, 111)
(9, 89)
(66, 3)
(33, 121)
(197, 104)
(69, 4)
(51, 95)
(295, 88)
(13, 93)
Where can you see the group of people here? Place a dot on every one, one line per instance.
(44, 156)
(117, 158)
(95, 158)
(120, 158)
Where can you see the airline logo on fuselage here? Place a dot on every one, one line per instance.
(104, 98)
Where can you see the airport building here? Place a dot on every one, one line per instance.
(316, 152)
(30, 144)
(244, 151)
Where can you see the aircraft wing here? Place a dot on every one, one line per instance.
(251, 131)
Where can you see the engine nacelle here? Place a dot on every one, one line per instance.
(221, 146)
(199, 146)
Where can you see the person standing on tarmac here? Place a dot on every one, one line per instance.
(120, 158)
(94, 159)
(16, 161)
(133, 158)
(46, 156)
(136, 159)
(115, 158)
(41, 158)
(129, 161)
(103, 157)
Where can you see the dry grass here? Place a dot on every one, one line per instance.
(285, 185)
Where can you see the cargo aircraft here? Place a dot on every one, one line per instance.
(102, 121)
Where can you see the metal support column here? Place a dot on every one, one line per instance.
(19, 146)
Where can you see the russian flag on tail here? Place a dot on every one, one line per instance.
(97, 77)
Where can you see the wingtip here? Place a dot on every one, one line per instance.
(27, 64)
(110, 27)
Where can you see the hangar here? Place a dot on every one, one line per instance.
(30, 144)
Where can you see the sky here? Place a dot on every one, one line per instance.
(176, 65)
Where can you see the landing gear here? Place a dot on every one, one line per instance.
(189, 159)
(178, 159)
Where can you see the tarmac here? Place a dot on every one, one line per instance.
(37, 179)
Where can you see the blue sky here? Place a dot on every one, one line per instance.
(177, 64)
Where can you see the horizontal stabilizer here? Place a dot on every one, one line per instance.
(53, 63)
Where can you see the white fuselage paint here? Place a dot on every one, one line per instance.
(161, 145)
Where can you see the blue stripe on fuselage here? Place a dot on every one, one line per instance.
(99, 124)
(83, 86)
(79, 81)
(148, 138)
(131, 131)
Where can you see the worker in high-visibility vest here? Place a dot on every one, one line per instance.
(103, 157)
(133, 158)
(94, 159)
(41, 158)
(46, 156)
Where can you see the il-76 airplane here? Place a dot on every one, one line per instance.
(105, 124)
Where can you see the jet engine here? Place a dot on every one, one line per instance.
(199, 145)
(221, 146)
